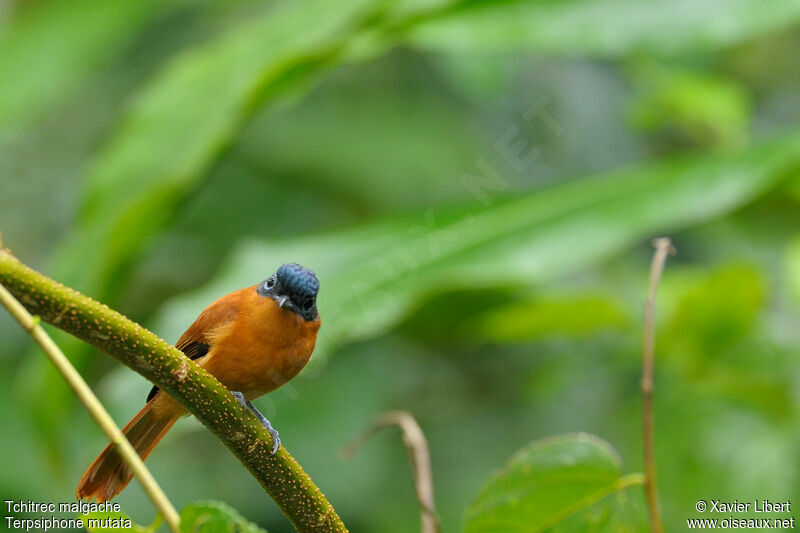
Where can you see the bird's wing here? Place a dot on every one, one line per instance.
(197, 340)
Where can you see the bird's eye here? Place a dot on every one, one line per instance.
(270, 282)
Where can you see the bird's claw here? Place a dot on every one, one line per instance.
(276, 440)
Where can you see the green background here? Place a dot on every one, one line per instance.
(476, 184)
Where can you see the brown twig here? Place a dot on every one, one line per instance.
(663, 247)
(418, 456)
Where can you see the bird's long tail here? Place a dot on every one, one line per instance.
(109, 473)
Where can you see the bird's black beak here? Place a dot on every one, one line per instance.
(284, 302)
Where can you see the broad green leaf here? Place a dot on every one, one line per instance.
(372, 275)
(214, 517)
(564, 483)
(71, 38)
(602, 27)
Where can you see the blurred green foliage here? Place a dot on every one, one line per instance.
(475, 183)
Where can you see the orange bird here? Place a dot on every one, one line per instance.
(252, 340)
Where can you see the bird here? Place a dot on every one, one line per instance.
(252, 340)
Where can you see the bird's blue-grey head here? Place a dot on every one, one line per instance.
(294, 288)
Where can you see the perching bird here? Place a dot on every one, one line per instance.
(252, 340)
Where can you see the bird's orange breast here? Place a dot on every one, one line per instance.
(262, 348)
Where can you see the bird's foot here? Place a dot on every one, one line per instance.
(276, 440)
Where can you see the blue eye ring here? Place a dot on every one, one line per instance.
(270, 282)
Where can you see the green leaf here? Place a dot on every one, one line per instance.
(602, 27)
(214, 517)
(564, 483)
(372, 275)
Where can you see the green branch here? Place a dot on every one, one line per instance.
(197, 390)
